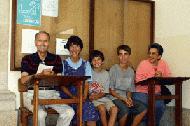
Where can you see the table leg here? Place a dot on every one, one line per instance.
(178, 104)
(79, 107)
(35, 104)
(151, 103)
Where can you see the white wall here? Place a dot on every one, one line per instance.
(172, 30)
(13, 76)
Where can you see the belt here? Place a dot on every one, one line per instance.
(46, 88)
(42, 88)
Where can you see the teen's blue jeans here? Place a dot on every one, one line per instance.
(159, 107)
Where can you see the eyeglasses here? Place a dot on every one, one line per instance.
(153, 53)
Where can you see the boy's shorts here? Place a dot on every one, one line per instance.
(123, 109)
(105, 101)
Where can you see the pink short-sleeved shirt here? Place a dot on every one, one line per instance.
(146, 70)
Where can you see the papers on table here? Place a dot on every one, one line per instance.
(42, 67)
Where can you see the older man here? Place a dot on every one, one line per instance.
(51, 63)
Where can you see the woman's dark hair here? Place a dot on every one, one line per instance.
(124, 47)
(158, 47)
(74, 40)
(96, 53)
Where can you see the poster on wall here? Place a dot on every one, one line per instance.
(29, 12)
(60, 47)
(28, 41)
(50, 8)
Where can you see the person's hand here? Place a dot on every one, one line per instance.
(129, 102)
(26, 79)
(47, 72)
(92, 97)
(158, 74)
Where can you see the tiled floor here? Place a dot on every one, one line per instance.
(167, 119)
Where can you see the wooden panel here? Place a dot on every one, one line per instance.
(108, 28)
(137, 29)
(46, 24)
(123, 22)
(115, 22)
(72, 15)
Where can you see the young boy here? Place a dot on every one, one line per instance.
(122, 86)
(99, 88)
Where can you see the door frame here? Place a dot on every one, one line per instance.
(92, 18)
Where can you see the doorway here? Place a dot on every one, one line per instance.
(122, 22)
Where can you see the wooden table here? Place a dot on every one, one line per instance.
(177, 82)
(45, 81)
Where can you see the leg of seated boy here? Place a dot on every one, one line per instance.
(113, 115)
(102, 111)
(140, 110)
(138, 118)
(123, 111)
(112, 109)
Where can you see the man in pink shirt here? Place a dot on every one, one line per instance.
(154, 66)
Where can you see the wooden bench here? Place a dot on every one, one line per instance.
(37, 81)
(24, 112)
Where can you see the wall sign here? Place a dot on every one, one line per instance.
(29, 12)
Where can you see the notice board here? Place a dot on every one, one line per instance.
(72, 18)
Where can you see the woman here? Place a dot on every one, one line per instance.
(76, 66)
(153, 66)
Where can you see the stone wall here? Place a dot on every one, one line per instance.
(8, 115)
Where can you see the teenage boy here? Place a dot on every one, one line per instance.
(122, 88)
